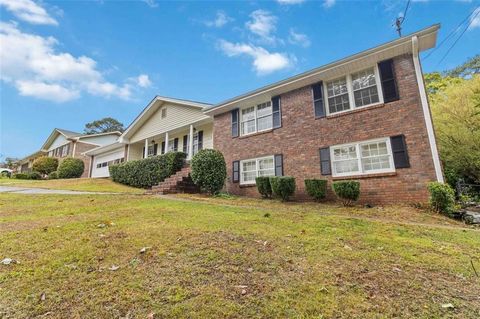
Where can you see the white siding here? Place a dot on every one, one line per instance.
(58, 141)
(177, 117)
(103, 171)
(100, 140)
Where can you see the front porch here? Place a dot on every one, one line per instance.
(188, 139)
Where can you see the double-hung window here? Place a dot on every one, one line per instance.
(252, 168)
(256, 118)
(151, 150)
(359, 89)
(367, 157)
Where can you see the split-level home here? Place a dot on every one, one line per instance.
(165, 125)
(365, 117)
(64, 143)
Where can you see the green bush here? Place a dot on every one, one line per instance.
(45, 165)
(70, 168)
(282, 186)
(53, 175)
(209, 170)
(263, 186)
(28, 175)
(316, 188)
(347, 191)
(442, 197)
(149, 171)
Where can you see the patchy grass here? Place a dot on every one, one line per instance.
(74, 184)
(230, 257)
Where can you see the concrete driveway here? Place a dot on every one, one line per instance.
(26, 190)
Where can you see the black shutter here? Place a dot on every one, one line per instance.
(276, 112)
(387, 78)
(143, 152)
(235, 122)
(325, 161)
(163, 147)
(236, 171)
(278, 160)
(200, 140)
(155, 149)
(175, 144)
(185, 144)
(399, 150)
(318, 104)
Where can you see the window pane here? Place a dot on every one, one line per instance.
(265, 163)
(376, 163)
(338, 103)
(364, 88)
(264, 109)
(337, 87)
(375, 156)
(267, 172)
(350, 166)
(249, 176)
(264, 123)
(249, 166)
(366, 96)
(363, 79)
(344, 153)
(248, 113)
(248, 127)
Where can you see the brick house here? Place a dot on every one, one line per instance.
(63, 143)
(365, 117)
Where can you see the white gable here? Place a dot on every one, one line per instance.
(58, 141)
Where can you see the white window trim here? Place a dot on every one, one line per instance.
(242, 182)
(351, 98)
(359, 158)
(255, 107)
(152, 146)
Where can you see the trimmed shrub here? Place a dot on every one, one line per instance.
(53, 175)
(347, 191)
(149, 171)
(442, 197)
(45, 165)
(209, 170)
(316, 188)
(282, 186)
(28, 175)
(70, 168)
(263, 186)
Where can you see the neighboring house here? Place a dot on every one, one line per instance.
(25, 164)
(165, 125)
(63, 143)
(365, 117)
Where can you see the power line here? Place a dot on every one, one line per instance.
(460, 36)
(399, 20)
(450, 34)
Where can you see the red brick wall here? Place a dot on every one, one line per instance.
(79, 149)
(301, 136)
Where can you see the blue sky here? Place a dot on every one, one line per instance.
(66, 63)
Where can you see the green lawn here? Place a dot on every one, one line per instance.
(74, 184)
(230, 258)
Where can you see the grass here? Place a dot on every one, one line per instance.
(74, 184)
(231, 257)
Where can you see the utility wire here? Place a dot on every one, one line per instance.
(460, 36)
(450, 34)
(399, 20)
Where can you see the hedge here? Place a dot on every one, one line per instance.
(45, 165)
(147, 172)
(53, 175)
(28, 175)
(442, 197)
(347, 191)
(282, 186)
(70, 168)
(316, 188)
(263, 186)
(209, 170)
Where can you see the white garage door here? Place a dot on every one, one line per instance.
(101, 162)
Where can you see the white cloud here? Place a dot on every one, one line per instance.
(32, 64)
(220, 20)
(298, 38)
(263, 24)
(287, 2)
(328, 3)
(151, 3)
(475, 19)
(143, 81)
(28, 11)
(264, 62)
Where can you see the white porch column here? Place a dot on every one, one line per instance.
(145, 154)
(190, 143)
(166, 142)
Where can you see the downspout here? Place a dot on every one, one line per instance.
(426, 110)
(74, 148)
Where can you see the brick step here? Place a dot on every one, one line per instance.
(180, 182)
